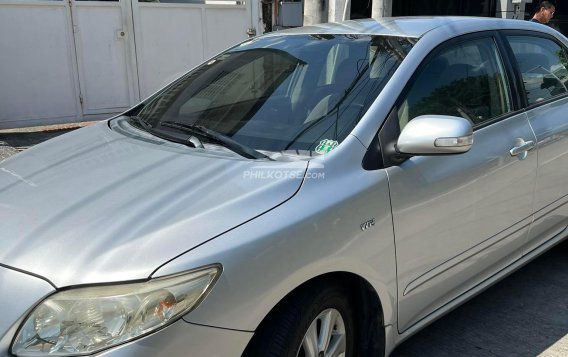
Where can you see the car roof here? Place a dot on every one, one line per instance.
(414, 27)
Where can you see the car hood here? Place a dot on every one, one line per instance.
(97, 205)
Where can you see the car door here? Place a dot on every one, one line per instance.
(458, 219)
(542, 62)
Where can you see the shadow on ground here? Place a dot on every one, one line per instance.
(525, 314)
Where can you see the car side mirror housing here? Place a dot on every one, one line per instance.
(435, 135)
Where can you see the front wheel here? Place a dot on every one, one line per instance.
(316, 322)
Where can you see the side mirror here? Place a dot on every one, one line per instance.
(435, 135)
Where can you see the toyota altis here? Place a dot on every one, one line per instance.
(323, 191)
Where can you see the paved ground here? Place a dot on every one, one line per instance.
(6, 150)
(15, 140)
(524, 315)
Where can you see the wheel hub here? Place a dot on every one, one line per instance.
(326, 336)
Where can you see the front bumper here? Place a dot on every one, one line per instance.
(181, 339)
(184, 339)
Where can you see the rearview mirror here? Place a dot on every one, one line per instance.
(435, 135)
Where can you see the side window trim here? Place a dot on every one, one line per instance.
(514, 78)
(513, 62)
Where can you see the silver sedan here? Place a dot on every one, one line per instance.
(323, 191)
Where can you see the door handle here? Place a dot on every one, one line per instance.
(521, 148)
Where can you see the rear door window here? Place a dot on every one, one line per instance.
(542, 63)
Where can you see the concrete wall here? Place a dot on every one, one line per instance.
(511, 9)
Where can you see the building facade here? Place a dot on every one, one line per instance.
(278, 14)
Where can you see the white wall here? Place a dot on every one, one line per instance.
(63, 63)
(37, 71)
(173, 38)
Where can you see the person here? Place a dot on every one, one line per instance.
(544, 12)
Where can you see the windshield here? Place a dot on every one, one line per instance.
(301, 94)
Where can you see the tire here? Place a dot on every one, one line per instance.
(291, 331)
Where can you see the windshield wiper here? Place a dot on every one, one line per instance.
(141, 122)
(217, 137)
(193, 141)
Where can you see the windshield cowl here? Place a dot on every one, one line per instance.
(126, 125)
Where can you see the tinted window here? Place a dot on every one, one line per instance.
(465, 80)
(283, 93)
(542, 63)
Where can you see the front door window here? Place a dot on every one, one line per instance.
(465, 80)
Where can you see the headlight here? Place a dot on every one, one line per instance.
(86, 320)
